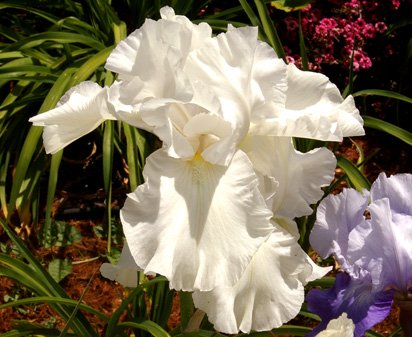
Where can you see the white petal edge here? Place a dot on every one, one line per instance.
(81, 110)
(397, 188)
(314, 109)
(125, 271)
(339, 327)
(299, 176)
(270, 292)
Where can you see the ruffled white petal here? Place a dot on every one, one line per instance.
(125, 271)
(187, 128)
(339, 327)
(196, 223)
(315, 109)
(130, 112)
(299, 176)
(248, 87)
(156, 51)
(81, 110)
(269, 293)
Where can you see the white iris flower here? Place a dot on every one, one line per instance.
(209, 214)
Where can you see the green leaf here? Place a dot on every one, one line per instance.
(251, 14)
(186, 307)
(290, 5)
(134, 296)
(383, 93)
(52, 184)
(90, 66)
(108, 152)
(302, 46)
(32, 139)
(62, 38)
(356, 178)
(34, 276)
(59, 269)
(53, 300)
(148, 326)
(11, 4)
(270, 29)
(389, 128)
(60, 234)
(24, 328)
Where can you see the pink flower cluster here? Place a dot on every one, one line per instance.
(337, 29)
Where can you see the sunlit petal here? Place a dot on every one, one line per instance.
(250, 87)
(315, 109)
(337, 216)
(276, 157)
(388, 262)
(125, 271)
(130, 112)
(196, 223)
(81, 110)
(397, 188)
(269, 293)
(154, 51)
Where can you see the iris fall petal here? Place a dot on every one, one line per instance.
(269, 293)
(196, 223)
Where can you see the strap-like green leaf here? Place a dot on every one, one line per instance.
(149, 326)
(58, 37)
(59, 300)
(270, 29)
(389, 128)
(356, 178)
(383, 93)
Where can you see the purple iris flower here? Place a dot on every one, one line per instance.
(370, 236)
(353, 296)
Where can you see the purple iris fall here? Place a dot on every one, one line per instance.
(369, 234)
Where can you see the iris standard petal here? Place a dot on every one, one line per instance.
(196, 223)
(397, 188)
(246, 93)
(81, 110)
(384, 248)
(269, 293)
(156, 52)
(336, 217)
(315, 109)
(187, 128)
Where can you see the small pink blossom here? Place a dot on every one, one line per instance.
(369, 31)
(381, 27)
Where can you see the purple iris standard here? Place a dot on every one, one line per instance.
(370, 236)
